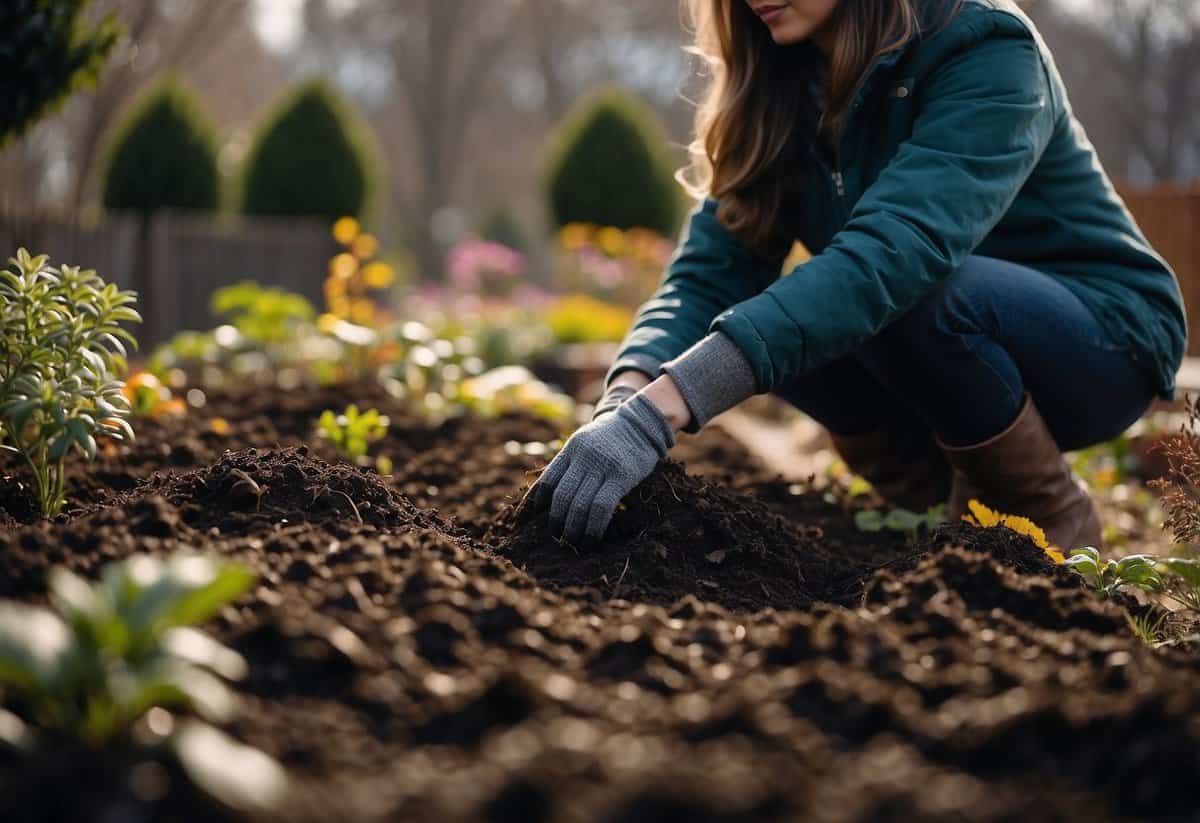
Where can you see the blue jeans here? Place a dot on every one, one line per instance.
(960, 362)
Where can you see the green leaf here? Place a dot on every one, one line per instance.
(188, 589)
(1185, 568)
(167, 680)
(902, 520)
(72, 595)
(869, 520)
(35, 644)
(241, 777)
(200, 649)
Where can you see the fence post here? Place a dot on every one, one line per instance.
(159, 300)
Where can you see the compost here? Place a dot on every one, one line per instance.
(421, 648)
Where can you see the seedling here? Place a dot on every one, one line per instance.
(1108, 577)
(1150, 627)
(262, 315)
(149, 397)
(61, 347)
(352, 431)
(106, 655)
(900, 520)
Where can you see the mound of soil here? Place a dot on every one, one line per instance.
(249, 490)
(676, 535)
(462, 666)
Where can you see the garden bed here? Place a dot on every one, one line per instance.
(734, 650)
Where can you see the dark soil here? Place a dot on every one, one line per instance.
(677, 535)
(733, 651)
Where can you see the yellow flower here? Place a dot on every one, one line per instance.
(378, 275)
(611, 241)
(365, 246)
(343, 266)
(581, 318)
(574, 236)
(986, 518)
(345, 230)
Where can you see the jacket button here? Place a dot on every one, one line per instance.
(901, 91)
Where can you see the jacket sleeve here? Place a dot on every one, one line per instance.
(710, 271)
(986, 116)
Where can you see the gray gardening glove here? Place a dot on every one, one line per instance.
(599, 465)
(614, 396)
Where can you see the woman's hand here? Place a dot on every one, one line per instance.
(599, 465)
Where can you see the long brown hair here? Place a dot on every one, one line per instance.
(767, 105)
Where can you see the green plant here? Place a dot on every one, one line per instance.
(352, 431)
(61, 347)
(1108, 577)
(108, 653)
(313, 158)
(163, 155)
(1181, 577)
(610, 166)
(900, 520)
(105, 655)
(262, 315)
(48, 51)
(1149, 627)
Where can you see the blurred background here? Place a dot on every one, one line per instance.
(513, 153)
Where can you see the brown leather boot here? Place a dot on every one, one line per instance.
(1021, 471)
(914, 475)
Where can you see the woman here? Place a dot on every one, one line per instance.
(979, 299)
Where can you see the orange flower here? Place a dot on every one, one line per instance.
(365, 246)
(343, 267)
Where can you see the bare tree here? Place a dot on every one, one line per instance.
(159, 36)
(1133, 70)
(442, 56)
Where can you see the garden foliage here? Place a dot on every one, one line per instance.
(312, 158)
(352, 431)
(47, 50)
(61, 349)
(163, 155)
(91, 667)
(610, 167)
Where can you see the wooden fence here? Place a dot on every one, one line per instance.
(177, 261)
(1169, 215)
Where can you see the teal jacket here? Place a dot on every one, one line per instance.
(961, 143)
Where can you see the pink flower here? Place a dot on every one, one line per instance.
(473, 263)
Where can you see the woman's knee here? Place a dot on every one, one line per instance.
(954, 308)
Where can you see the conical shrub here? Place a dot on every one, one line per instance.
(609, 165)
(312, 158)
(163, 155)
